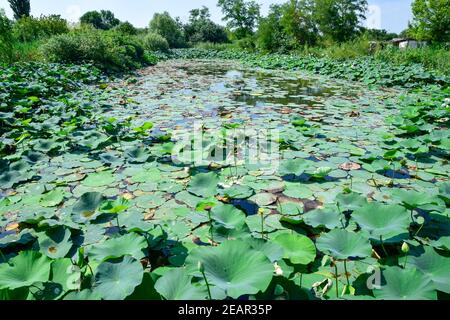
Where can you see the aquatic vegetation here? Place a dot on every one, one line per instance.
(109, 189)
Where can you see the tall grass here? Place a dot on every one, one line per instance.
(433, 58)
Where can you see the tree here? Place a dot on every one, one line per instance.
(241, 16)
(21, 8)
(287, 26)
(126, 28)
(298, 21)
(339, 19)
(202, 29)
(169, 28)
(104, 20)
(431, 20)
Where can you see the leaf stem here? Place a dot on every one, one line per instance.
(207, 285)
(337, 282)
(346, 273)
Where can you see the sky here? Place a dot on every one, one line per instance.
(392, 15)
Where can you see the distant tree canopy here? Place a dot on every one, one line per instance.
(201, 28)
(171, 29)
(241, 16)
(127, 28)
(431, 20)
(339, 19)
(104, 20)
(21, 8)
(287, 26)
(379, 34)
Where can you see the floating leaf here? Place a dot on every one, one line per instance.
(204, 184)
(24, 270)
(116, 279)
(298, 248)
(343, 244)
(405, 284)
(176, 284)
(234, 267)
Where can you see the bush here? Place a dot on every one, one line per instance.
(156, 42)
(110, 51)
(6, 38)
(171, 29)
(29, 29)
(126, 28)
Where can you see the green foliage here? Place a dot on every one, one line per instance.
(241, 16)
(339, 19)
(156, 42)
(28, 29)
(169, 28)
(110, 51)
(104, 19)
(6, 38)
(431, 20)
(202, 29)
(126, 28)
(287, 27)
(21, 8)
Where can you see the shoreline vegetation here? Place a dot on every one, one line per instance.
(102, 199)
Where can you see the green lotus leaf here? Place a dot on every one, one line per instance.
(343, 244)
(271, 250)
(150, 201)
(412, 199)
(298, 248)
(234, 267)
(297, 190)
(444, 191)
(130, 244)
(405, 284)
(321, 172)
(350, 201)
(55, 242)
(45, 145)
(228, 216)
(85, 208)
(176, 284)
(116, 279)
(25, 269)
(434, 266)
(100, 179)
(294, 166)
(52, 198)
(290, 208)
(65, 273)
(390, 222)
(137, 155)
(238, 192)
(84, 295)
(329, 218)
(204, 184)
(263, 199)
(146, 290)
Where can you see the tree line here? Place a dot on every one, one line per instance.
(288, 26)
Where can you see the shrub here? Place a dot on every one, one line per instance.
(126, 28)
(110, 51)
(104, 19)
(156, 42)
(6, 39)
(169, 28)
(28, 29)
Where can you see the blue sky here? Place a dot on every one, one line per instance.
(392, 15)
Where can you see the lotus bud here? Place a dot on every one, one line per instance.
(420, 220)
(261, 211)
(201, 267)
(405, 247)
